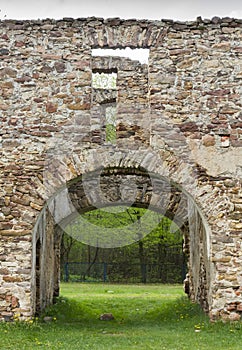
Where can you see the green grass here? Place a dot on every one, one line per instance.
(146, 317)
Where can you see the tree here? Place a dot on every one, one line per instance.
(151, 249)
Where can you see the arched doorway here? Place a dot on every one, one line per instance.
(108, 187)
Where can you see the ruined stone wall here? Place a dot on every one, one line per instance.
(183, 110)
(45, 266)
(198, 245)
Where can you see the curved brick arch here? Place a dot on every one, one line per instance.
(183, 108)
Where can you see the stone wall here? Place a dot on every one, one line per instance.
(178, 117)
(45, 262)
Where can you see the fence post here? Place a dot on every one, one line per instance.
(143, 273)
(66, 272)
(104, 272)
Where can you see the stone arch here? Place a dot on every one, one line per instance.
(102, 188)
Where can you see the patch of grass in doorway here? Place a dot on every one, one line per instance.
(146, 317)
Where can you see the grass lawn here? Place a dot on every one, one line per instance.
(146, 317)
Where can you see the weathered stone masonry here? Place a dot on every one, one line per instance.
(178, 121)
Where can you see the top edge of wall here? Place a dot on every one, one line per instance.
(95, 21)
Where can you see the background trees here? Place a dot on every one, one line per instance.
(159, 251)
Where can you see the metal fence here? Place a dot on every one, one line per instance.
(171, 270)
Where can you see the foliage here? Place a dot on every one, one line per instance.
(153, 249)
(159, 236)
(110, 115)
(110, 133)
(146, 317)
(104, 80)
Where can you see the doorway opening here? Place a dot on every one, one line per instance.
(75, 202)
(157, 257)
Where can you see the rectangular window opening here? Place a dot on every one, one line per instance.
(110, 123)
(105, 82)
(102, 80)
